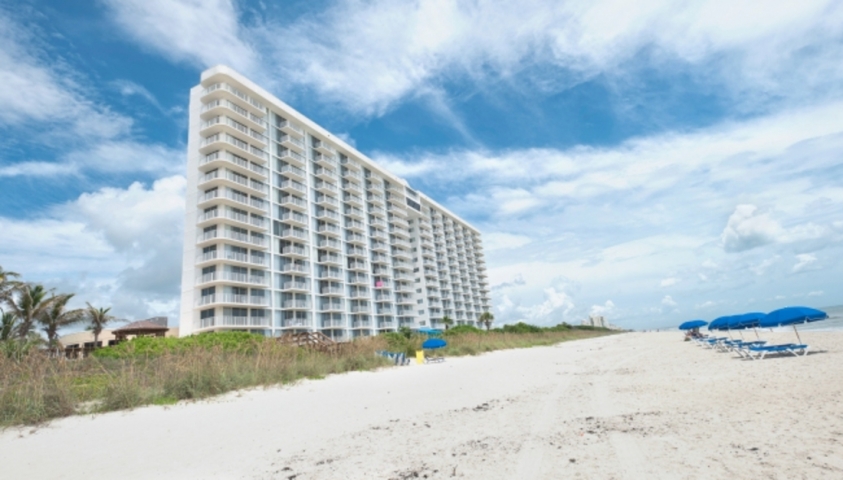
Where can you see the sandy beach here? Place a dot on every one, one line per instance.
(637, 405)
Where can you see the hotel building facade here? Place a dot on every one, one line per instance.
(288, 228)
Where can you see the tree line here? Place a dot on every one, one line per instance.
(27, 308)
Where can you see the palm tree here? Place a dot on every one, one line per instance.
(7, 284)
(27, 306)
(98, 318)
(486, 318)
(447, 321)
(7, 325)
(57, 317)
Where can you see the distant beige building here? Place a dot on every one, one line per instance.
(156, 326)
(596, 321)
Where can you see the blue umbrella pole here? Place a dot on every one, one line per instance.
(756, 333)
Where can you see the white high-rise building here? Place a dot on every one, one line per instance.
(288, 228)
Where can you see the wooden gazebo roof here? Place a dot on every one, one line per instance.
(142, 327)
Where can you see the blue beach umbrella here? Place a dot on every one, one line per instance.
(721, 323)
(747, 320)
(792, 316)
(433, 343)
(691, 324)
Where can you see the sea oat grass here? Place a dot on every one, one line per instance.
(37, 388)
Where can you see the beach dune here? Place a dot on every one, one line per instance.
(635, 405)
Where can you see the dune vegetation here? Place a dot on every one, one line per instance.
(38, 387)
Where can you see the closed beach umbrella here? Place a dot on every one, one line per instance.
(792, 316)
(433, 343)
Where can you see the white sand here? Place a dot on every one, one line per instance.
(643, 405)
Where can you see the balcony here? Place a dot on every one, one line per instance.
(332, 274)
(294, 268)
(329, 244)
(251, 241)
(295, 287)
(331, 307)
(380, 258)
(294, 172)
(351, 187)
(231, 277)
(326, 174)
(333, 324)
(327, 201)
(326, 187)
(292, 234)
(292, 186)
(219, 107)
(328, 161)
(356, 252)
(355, 238)
(331, 291)
(357, 265)
(292, 157)
(398, 242)
(378, 234)
(377, 211)
(295, 305)
(290, 201)
(221, 158)
(322, 147)
(328, 229)
(332, 259)
(232, 299)
(224, 124)
(232, 321)
(290, 128)
(355, 225)
(327, 215)
(294, 251)
(222, 140)
(293, 217)
(293, 143)
(395, 209)
(225, 91)
(295, 323)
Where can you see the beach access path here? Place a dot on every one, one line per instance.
(635, 405)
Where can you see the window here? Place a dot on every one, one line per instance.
(209, 313)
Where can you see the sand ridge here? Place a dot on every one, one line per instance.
(638, 405)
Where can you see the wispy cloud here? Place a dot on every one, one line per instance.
(368, 57)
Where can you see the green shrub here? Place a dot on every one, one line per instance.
(462, 329)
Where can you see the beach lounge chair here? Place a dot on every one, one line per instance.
(761, 351)
(398, 358)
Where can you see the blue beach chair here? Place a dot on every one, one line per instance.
(760, 351)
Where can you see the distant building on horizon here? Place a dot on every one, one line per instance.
(290, 229)
(596, 321)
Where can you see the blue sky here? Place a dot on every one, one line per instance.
(649, 161)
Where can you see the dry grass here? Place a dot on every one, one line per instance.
(37, 388)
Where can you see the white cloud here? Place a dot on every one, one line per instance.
(500, 240)
(761, 268)
(668, 301)
(201, 32)
(370, 56)
(816, 293)
(130, 261)
(668, 282)
(805, 261)
(748, 228)
(603, 310)
(43, 101)
(704, 305)
(41, 93)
